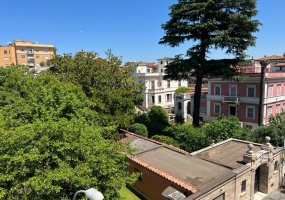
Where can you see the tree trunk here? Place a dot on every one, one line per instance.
(261, 93)
(197, 98)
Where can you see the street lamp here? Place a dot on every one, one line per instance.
(91, 193)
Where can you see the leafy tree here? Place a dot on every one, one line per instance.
(140, 129)
(111, 88)
(54, 159)
(158, 114)
(275, 130)
(179, 119)
(218, 24)
(188, 137)
(224, 128)
(50, 145)
(166, 140)
(182, 89)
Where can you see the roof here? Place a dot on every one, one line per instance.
(25, 43)
(228, 153)
(273, 57)
(281, 64)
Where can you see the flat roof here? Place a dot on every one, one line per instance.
(229, 153)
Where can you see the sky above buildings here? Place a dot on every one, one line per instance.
(130, 28)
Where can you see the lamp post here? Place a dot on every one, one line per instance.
(91, 193)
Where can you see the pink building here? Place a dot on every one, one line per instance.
(241, 99)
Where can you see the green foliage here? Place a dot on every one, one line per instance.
(275, 130)
(166, 140)
(50, 144)
(211, 24)
(182, 89)
(179, 119)
(140, 129)
(189, 138)
(53, 160)
(111, 88)
(158, 114)
(224, 128)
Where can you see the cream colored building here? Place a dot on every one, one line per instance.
(22, 52)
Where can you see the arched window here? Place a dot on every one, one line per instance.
(179, 106)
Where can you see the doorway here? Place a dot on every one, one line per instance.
(233, 110)
(256, 180)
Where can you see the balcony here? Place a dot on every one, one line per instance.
(30, 51)
(31, 59)
(156, 89)
(231, 99)
(182, 96)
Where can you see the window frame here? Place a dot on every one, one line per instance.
(220, 89)
(278, 89)
(250, 87)
(270, 91)
(253, 112)
(230, 90)
(219, 105)
(243, 186)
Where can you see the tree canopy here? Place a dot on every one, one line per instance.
(50, 143)
(111, 88)
(210, 24)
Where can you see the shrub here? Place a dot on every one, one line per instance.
(139, 129)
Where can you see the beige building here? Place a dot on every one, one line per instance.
(20, 52)
(229, 170)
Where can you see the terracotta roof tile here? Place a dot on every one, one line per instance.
(178, 181)
(273, 57)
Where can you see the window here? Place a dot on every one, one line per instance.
(6, 58)
(46, 57)
(233, 90)
(152, 99)
(167, 62)
(148, 70)
(22, 49)
(277, 108)
(220, 197)
(270, 91)
(179, 106)
(276, 166)
(250, 111)
(159, 99)
(179, 83)
(161, 62)
(250, 91)
(161, 70)
(269, 111)
(243, 186)
(37, 57)
(278, 89)
(152, 85)
(248, 127)
(23, 56)
(202, 108)
(45, 50)
(168, 97)
(37, 50)
(168, 83)
(217, 108)
(217, 89)
(5, 52)
(23, 63)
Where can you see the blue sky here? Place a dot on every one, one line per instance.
(130, 28)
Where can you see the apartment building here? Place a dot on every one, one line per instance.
(22, 52)
(156, 91)
(241, 99)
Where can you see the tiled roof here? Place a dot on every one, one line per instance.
(126, 133)
(273, 57)
(166, 175)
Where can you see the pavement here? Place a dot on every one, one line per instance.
(278, 194)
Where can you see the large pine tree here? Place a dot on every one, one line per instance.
(210, 24)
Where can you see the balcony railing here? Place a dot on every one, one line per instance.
(231, 99)
(182, 96)
(30, 52)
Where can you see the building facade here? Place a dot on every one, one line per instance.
(20, 52)
(229, 170)
(241, 98)
(157, 91)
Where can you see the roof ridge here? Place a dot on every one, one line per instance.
(156, 142)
